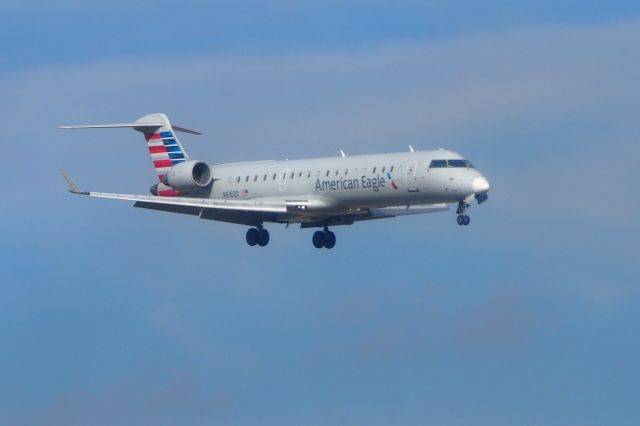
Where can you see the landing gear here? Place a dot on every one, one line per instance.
(263, 240)
(462, 219)
(318, 239)
(259, 236)
(324, 238)
(330, 239)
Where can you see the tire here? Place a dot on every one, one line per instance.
(460, 220)
(330, 239)
(263, 239)
(467, 220)
(253, 235)
(318, 239)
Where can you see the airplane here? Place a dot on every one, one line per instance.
(315, 193)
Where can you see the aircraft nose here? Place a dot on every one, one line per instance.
(480, 184)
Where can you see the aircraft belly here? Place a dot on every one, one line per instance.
(382, 198)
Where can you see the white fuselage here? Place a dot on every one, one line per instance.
(339, 184)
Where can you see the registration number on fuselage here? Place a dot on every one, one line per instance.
(231, 194)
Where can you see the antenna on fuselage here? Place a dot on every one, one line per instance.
(411, 148)
(342, 153)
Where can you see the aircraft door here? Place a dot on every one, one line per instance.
(283, 179)
(412, 177)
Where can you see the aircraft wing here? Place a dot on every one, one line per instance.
(198, 206)
(176, 203)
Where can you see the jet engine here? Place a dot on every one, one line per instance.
(188, 176)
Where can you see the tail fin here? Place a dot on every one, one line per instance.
(163, 145)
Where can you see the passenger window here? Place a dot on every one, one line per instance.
(374, 170)
(346, 172)
(238, 180)
(274, 176)
(327, 172)
(299, 174)
(255, 178)
(391, 169)
(435, 164)
(383, 169)
(246, 179)
(337, 171)
(293, 174)
(264, 177)
(308, 174)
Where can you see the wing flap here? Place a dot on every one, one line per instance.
(194, 211)
(211, 203)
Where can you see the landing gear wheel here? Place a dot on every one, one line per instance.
(462, 219)
(253, 236)
(330, 239)
(319, 239)
(263, 237)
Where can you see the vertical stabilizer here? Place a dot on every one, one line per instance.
(163, 145)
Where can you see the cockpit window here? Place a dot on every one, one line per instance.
(459, 163)
(450, 163)
(437, 164)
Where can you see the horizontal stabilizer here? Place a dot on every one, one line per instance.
(141, 127)
(183, 130)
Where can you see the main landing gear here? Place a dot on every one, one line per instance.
(462, 219)
(325, 238)
(259, 236)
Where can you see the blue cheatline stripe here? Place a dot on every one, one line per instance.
(166, 135)
(176, 155)
(174, 162)
(173, 148)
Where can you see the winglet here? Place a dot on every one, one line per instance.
(73, 188)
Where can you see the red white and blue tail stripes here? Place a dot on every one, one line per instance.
(165, 151)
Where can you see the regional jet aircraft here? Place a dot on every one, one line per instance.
(315, 193)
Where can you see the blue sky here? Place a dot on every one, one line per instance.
(528, 316)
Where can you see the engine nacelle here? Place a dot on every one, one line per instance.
(188, 176)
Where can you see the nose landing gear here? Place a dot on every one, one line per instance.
(259, 236)
(324, 238)
(462, 219)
